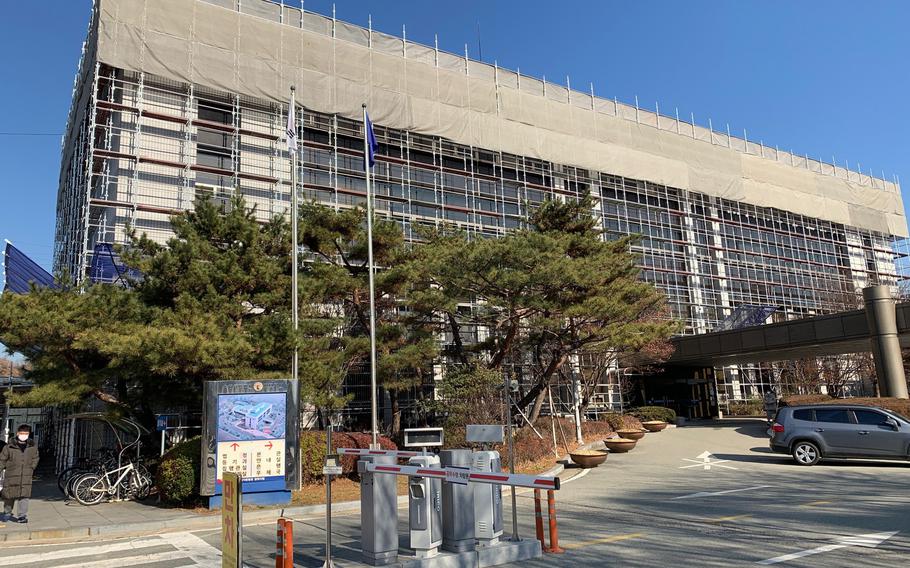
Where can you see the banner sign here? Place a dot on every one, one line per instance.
(231, 521)
(251, 429)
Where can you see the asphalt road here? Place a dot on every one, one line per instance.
(666, 503)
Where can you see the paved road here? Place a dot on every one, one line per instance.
(661, 505)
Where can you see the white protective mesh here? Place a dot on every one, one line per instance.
(252, 53)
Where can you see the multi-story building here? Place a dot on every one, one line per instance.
(176, 99)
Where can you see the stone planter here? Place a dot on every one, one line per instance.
(654, 425)
(588, 458)
(619, 445)
(632, 434)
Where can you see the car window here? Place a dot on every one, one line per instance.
(869, 417)
(803, 414)
(832, 415)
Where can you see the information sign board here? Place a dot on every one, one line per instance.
(250, 428)
(160, 422)
(231, 522)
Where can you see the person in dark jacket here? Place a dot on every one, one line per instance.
(18, 459)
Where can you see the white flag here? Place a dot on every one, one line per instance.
(292, 128)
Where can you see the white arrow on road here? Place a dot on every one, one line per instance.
(705, 460)
(870, 540)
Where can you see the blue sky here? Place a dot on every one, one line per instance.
(824, 77)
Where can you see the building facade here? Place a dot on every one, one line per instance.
(180, 99)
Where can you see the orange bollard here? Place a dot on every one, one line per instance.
(538, 519)
(279, 545)
(288, 543)
(554, 531)
(284, 548)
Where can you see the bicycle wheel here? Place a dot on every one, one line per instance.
(140, 485)
(66, 476)
(71, 482)
(89, 489)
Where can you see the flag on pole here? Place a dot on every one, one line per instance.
(372, 145)
(292, 128)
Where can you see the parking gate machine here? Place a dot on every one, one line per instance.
(424, 493)
(378, 510)
(487, 497)
(457, 504)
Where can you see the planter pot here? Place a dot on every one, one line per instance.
(632, 434)
(619, 445)
(654, 425)
(590, 458)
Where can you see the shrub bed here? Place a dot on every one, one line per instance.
(797, 399)
(648, 413)
(312, 451)
(746, 408)
(529, 448)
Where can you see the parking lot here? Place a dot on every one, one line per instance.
(702, 495)
(710, 494)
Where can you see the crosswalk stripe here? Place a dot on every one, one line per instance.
(148, 549)
(88, 551)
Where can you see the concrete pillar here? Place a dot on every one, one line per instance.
(886, 348)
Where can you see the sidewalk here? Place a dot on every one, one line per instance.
(53, 518)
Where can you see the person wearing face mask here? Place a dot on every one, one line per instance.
(18, 459)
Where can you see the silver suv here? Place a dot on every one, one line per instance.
(810, 433)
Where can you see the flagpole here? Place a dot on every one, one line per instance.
(295, 314)
(374, 444)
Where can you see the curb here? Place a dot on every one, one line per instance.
(202, 522)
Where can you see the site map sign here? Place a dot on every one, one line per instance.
(250, 430)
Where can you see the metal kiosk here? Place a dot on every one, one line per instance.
(424, 493)
(487, 497)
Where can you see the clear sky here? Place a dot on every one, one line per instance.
(823, 77)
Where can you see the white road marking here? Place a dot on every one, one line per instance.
(704, 460)
(707, 494)
(870, 540)
(187, 545)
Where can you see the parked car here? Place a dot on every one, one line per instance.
(812, 432)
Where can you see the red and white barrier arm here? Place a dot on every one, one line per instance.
(460, 475)
(366, 452)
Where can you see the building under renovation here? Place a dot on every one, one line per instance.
(180, 99)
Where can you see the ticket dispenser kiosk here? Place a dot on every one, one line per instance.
(487, 497)
(378, 512)
(457, 504)
(424, 494)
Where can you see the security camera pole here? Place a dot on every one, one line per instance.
(507, 388)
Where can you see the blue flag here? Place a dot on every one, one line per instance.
(372, 144)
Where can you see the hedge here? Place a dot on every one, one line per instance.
(648, 413)
(899, 405)
(177, 477)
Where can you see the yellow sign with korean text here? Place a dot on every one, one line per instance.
(231, 523)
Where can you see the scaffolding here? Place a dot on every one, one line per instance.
(141, 147)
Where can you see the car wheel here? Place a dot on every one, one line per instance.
(806, 453)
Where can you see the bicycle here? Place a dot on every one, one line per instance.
(65, 479)
(132, 479)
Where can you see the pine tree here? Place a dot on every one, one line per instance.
(213, 304)
(543, 295)
(334, 283)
